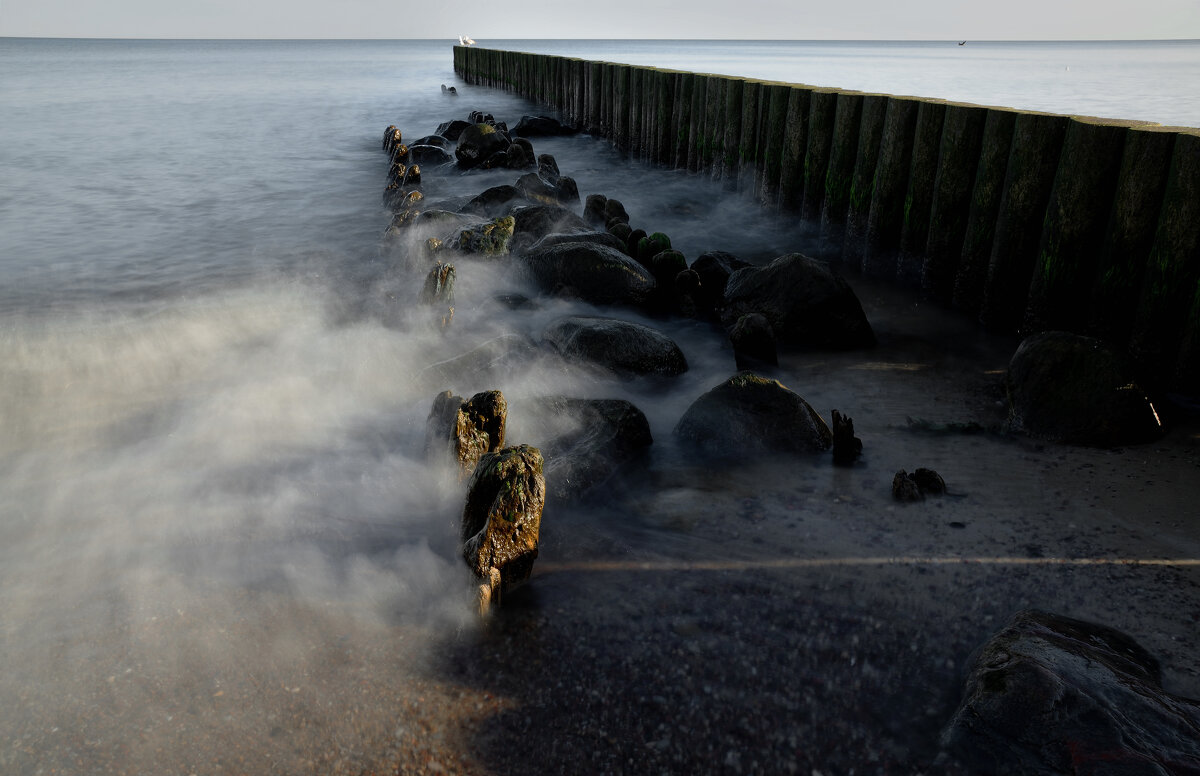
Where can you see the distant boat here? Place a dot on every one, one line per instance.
(962, 43)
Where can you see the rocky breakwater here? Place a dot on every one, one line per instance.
(617, 281)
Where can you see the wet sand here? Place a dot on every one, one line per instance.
(787, 618)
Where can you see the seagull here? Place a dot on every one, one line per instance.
(467, 40)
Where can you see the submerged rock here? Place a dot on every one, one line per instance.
(749, 416)
(490, 239)
(846, 447)
(492, 359)
(429, 155)
(714, 269)
(533, 222)
(905, 488)
(502, 517)
(602, 436)
(1069, 388)
(807, 304)
(1049, 694)
(625, 348)
(753, 341)
(591, 272)
(540, 126)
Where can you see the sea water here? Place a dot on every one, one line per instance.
(210, 358)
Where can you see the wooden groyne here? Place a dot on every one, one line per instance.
(1030, 221)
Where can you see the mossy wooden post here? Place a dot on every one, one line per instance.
(645, 97)
(776, 100)
(748, 137)
(620, 108)
(1164, 332)
(696, 129)
(795, 145)
(664, 124)
(838, 174)
(714, 126)
(862, 182)
(822, 110)
(1032, 164)
(918, 200)
(681, 121)
(725, 167)
(885, 220)
(951, 208)
(606, 100)
(995, 148)
(1145, 162)
(1077, 216)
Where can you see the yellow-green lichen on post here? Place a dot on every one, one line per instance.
(1172, 279)
(862, 183)
(918, 199)
(1129, 237)
(1032, 164)
(970, 276)
(886, 217)
(1076, 217)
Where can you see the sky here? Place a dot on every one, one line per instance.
(556, 19)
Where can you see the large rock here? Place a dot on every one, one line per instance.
(466, 429)
(494, 359)
(495, 201)
(503, 514)
(806, 303)
(540, 126)
(623, 347)
(429, 155)
(533, 222)
(1052, 695)
(488, 239)
(452, 130)
(749, 416)
(590, 441)
(477, 143)
(594, 273)
(600, 238)
(1068, 388)
(714, 269)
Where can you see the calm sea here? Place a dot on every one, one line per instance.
(209, 369)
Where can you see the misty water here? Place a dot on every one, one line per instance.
(222, 549)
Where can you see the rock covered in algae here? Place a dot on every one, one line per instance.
(1049, 694)
(489, 239)
(503, 513)
(750, 416)
(467, 429)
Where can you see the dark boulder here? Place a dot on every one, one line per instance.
(631, 242)
(1065, 387)
(625, 348)
(494, 359)
(451, 130)
(905, 488)
(495, 201)
(520, 155)
(621, 231)
(477, 143)
(753, 341)
(534, 189)
(588, 442)
(567, 191)
(548, 169)
(533, 222)
(540, 126)
(807, 304)
(594, 273)
(593, 209)
(749, 416)
(599, 238)
(502, 519)
(1049, 695)
(614, 211)
(435, 140)
(429, 155)
(714, 269)
(651, 245)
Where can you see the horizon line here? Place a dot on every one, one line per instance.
(672, 40)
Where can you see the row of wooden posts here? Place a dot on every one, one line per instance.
(1030, 221)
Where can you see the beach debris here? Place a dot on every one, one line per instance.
(847, 447)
